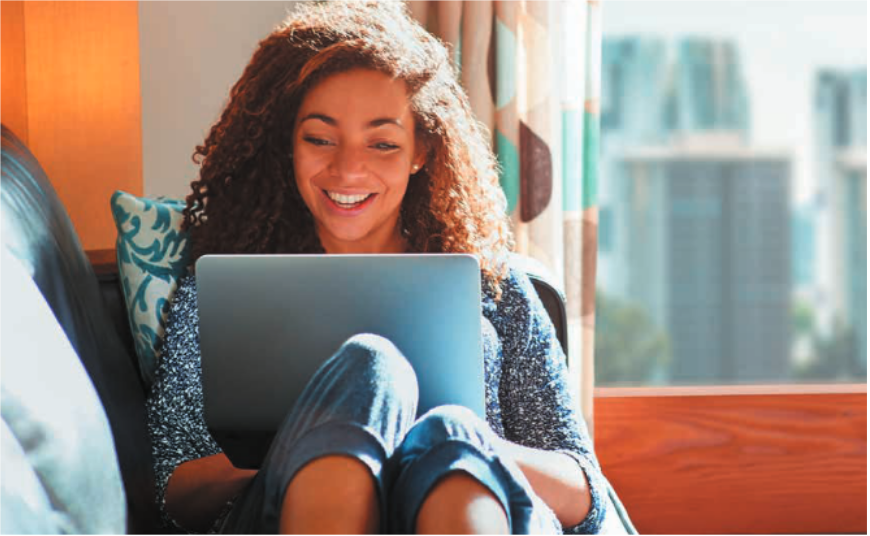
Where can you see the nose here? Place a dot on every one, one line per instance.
(350, 162)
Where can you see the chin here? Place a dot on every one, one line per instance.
(347, 236)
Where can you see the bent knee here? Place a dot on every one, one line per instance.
(446, 423)
(370, 342)
(451, 415)
(329, 470)
(378, 353)
(373, 358)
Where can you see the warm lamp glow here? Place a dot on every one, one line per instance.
(74, 92)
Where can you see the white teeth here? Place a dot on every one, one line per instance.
(347, 199)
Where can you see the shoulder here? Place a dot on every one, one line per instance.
(185, 290)
(181, 335)
(517, 294)
(512, 315)
(183, 313)
(186, 284)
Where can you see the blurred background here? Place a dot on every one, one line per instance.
(730, 213)
(732, 172)
(733, 193)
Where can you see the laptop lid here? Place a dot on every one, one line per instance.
(267, 322)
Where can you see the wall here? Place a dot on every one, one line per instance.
(14, 87)
(116, 95)
(71, 91)
(191, 54)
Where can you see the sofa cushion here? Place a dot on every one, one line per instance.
(26, 507)
(60, 471)
(37, 231)
(152, 254)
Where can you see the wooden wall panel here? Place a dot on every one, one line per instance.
(84, 106)
(14, 89)
(754, 463)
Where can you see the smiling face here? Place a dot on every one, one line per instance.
(353, 152)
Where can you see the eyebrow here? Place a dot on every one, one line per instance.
(374, 123)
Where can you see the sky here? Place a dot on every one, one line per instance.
(781, 42)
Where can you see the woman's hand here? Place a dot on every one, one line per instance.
(555, 477)
(198, 489)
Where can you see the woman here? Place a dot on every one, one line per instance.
(348, 133)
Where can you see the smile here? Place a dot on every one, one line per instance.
(348, 200)
(349, 204)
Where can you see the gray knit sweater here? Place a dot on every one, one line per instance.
(527, 396)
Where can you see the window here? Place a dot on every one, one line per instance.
(732, 194)
(605, 230)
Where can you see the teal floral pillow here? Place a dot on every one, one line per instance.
(152, 254)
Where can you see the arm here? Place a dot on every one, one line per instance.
(548, 438)
(198, 489)
(194, 478)
(556, 478)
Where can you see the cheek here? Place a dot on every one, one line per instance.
(392, 170)
(398, 184)
(303, 170)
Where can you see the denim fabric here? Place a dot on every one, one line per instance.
(528, 398)
(453, 438)
(362, 403)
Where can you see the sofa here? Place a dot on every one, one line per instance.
(76, 452)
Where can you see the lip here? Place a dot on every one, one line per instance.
(339, 211)
(347, 192)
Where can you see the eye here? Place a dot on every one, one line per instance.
(384, 146)
(316, 141)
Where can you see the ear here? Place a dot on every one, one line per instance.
(418, 164)
(419, 160)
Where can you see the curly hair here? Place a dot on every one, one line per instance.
(246, 199)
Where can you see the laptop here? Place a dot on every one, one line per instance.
(267, 322)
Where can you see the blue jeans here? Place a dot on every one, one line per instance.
(362, 403)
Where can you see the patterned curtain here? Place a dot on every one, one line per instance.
(531, 70)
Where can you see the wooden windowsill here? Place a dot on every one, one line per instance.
(763, 459)
(729, 390)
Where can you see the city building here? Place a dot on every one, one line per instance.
(853, 205)
(803, 249)
(653, 92)
(840, 126)
(708, 93)
(635, 83)
(710, 254)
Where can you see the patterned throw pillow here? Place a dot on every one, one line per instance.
(152, 254)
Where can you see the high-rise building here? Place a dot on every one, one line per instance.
(840, 126)
(710, 254)
(635, 82)
(708, 92)
(654, 92)
(634, 86)
(853, 178)
(857, 83)
(803, 249)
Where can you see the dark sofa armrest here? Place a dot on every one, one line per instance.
(106, 269)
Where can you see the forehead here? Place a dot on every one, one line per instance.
(359, 94)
